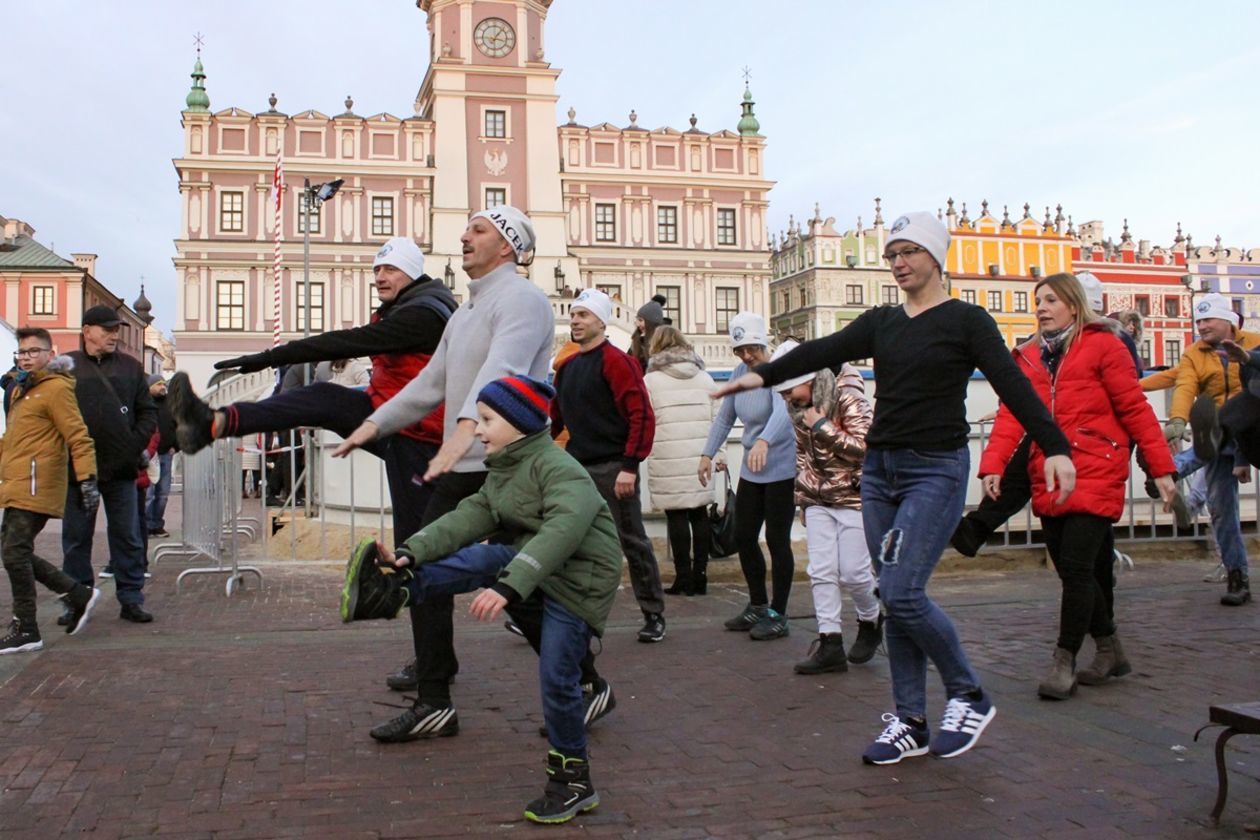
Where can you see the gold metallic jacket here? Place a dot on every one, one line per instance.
(829, 454)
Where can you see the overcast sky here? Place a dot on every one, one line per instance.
(1115, 109)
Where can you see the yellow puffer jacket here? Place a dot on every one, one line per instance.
(1203, 371)
(43, 421)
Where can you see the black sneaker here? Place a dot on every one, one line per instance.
(82, 601)
(19, 640)
(404, 679)
(160, 533)
(870, 635)
(747, 619)
(67, 615)
(106, 573)
(419, 722)
(513, 628)
(193, 418)
(1205, 428)
(653, 628)
(598, 700)
(368, 592)
(773, 625)
(135, 614)
(569, 791)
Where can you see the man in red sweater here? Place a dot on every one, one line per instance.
(601, 398)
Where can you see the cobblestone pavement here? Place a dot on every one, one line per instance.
(248, 716)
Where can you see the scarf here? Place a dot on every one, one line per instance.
(1052, 342)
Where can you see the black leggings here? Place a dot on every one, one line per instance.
(688, 531)
(773, 505)
(1081, 546)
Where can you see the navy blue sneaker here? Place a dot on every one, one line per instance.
(898, 740)
(962, 724)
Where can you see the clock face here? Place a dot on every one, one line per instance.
(494, 37)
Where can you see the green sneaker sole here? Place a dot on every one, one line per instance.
(350, 589)
(563, 816)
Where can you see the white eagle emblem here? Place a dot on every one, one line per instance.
(496, 162)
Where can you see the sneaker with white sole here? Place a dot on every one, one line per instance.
(422, 720)
(597, 699)
(20, 640)
(899, 740)
(962, 724)
(82, 603)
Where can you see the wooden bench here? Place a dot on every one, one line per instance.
(1238, 719)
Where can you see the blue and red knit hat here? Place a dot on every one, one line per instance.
(520, 400)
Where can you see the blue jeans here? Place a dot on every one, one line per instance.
(565, 637)
(121, 504)
(911, 502)
(1222, 502)
(155, 498)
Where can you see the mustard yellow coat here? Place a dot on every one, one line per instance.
(1201, 372)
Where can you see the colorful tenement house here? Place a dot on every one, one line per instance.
(1234, 272)
(634, 211)
(42, 289)
(1149, 280)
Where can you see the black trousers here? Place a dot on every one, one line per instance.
(645, 575)
(975, 528)
(433, 619)
(773, 505)
(688, 531)
(1082, 547)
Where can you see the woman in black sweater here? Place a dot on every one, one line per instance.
(914, 479)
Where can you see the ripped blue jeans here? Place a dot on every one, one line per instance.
(911, 502)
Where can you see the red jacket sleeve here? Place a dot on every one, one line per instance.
(1133, 411)
(557, 416)
(625, 379)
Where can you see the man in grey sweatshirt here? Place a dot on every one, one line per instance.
(505, 328)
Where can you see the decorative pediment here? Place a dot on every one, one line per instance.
(384, 117)
(234, 112)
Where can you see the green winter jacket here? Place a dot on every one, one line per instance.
(565, 538)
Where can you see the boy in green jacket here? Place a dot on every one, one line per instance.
(565, 547)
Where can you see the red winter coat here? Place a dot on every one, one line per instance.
(1100, 407)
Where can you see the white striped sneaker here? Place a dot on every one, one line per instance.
(598, 700)
(898, 740)
(420, 721)
(962, 724)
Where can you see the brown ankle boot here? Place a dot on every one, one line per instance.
(1109, 661)
(1060, 682)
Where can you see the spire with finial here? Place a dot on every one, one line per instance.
(963, 220)
(1006, 218)
(1178, 239)
(349, 107)
(1071, 231)
(1058, 218)
(859, 225)
(271, 102)
(1048, 224)
(143, 308)
(1189, 244)
(879, 219)
(634, 118)
(984, 208)
(198, 99)
(1026, 209)
(1124, 234)
(940, 214)
(748, 124)
(817, 212)
(572, 115)
(1218, 242)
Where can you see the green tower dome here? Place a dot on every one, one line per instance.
(748, 124)
(198, 99)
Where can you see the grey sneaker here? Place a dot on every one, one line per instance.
(747, 619)
(773, 625)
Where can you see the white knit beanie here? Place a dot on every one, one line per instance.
(1215, 306)
(596, 302)
(788, 384)
(403, 254)
(513, 225)
(749, 328)
(1093, 289)
(922, 228)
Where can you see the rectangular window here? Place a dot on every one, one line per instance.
(611, 289)
(232, 212)
(995, 301)
(301, 220)
(229, 311)
(968, 295)
(1146, 353)
(727, 301)
(495, 197)
(1142, 303)
(726, 227)
(382, 216)
(667, 225)
(1021, 301)
(852, 295)
(496, 124)
(44, 300)
(673, 303)
(605, 223)
(1172, 352)
(1172, 307)
(317, 307)
(888, 295)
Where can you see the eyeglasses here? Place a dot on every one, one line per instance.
(904, 253)
(32, 353)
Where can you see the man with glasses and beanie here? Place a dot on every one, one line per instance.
(43, 426)
(113, 394)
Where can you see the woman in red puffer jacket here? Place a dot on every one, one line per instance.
(1084, 374)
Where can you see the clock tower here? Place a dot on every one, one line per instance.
(491, 95)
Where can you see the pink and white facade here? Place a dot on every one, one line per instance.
(634, 211)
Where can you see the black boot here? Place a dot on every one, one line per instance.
(682, 579)
(569, 791)
(870, 635)
(826, 655)
(194, 420)
(700, 577)
(1237, 588)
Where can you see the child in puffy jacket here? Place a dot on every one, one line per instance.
(831, 417)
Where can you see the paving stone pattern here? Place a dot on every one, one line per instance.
(247, 718)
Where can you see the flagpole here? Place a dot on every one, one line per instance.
(278, 185)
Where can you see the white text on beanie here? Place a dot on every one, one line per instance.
(403, 254)
(513, 225)
(1215, 306)
(595, 302)
(922, 228)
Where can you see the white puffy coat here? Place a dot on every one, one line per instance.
(679, 389)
